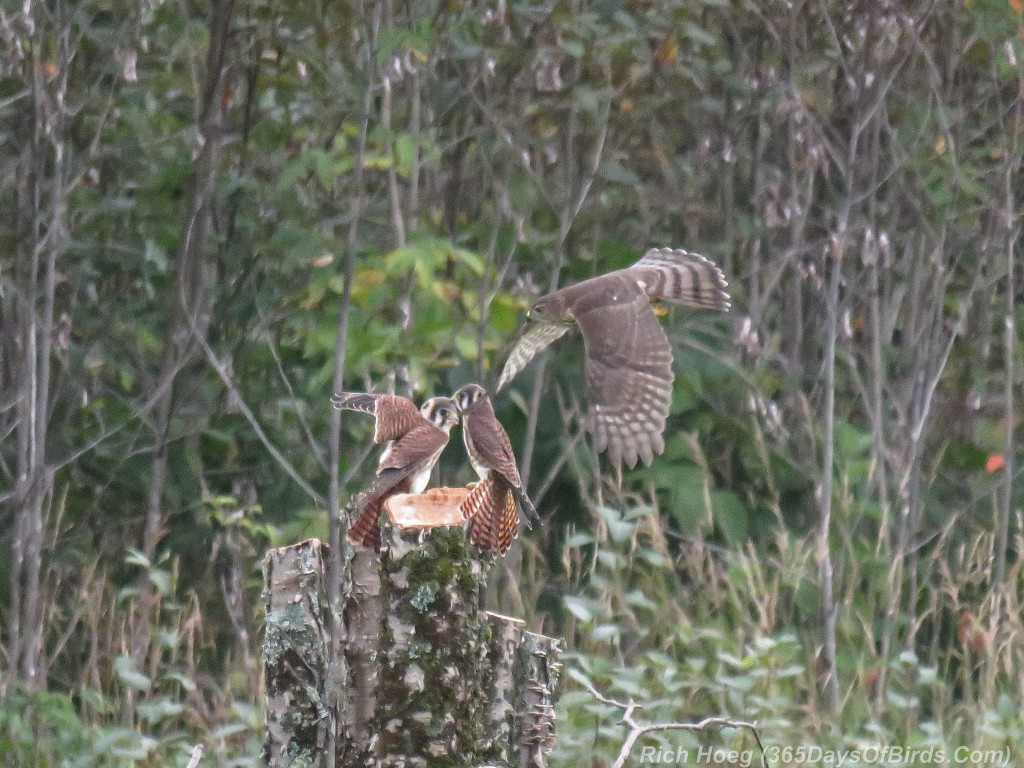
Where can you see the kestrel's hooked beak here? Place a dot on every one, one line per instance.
(452, 416)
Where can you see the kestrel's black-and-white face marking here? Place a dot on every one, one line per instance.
(442, 412)
(466, 397)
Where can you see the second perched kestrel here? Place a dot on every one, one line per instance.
(628, 364)
(415, 436)
(491, 505)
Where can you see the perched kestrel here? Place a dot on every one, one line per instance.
(415, 436)
(491, 505)
(628, 357)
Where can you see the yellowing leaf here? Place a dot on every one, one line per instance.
(667, 50)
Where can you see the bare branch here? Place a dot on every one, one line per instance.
(636, 730)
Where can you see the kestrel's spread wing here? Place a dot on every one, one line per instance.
(628, 357)
(417, 435)
(394, 415)
(533, 338)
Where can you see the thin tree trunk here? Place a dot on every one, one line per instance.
(186, 308)
(43, 170)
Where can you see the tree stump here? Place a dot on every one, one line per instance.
(431, 678)
(295, 656)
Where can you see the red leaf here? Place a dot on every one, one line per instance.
(995, 462)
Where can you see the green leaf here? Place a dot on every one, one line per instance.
(135, 557)
(578, 607)
(158, 710)
(731, 516)
(161, 580)
(130, 677)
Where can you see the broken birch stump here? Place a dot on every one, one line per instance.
(431, 679)
(296, 647)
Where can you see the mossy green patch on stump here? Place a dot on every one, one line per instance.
(433, 707)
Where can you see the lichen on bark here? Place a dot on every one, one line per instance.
(433, 709)
(295, 650)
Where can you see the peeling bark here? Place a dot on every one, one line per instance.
(506, 705)
(364, 615)
(295, 650)
(433, 679)
(537, 681)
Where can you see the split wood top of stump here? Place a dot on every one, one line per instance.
(433, 508)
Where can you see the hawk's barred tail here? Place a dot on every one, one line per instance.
(676, 275)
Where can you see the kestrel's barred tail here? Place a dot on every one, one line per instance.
(676, 275)
(490, 509)
(364, 529)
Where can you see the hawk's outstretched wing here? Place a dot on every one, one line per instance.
(628, 364)
(629, 379)
(533, 337)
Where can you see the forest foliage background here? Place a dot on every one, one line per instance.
(216, 215)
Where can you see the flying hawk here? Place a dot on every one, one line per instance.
(628, 364)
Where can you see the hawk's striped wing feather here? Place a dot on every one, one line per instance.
(629, 379)
(533, 338)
